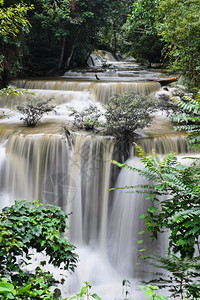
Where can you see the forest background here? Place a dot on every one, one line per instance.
(48, 37)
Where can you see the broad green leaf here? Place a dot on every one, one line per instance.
(6, 287)
(152, 209)
(150, 196)
(140, 242)
(95, 296)
(141, 232)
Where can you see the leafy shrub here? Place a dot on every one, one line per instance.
(127, 112)
(86, 119)
(34, 109)
(27, 225)
(37, 288)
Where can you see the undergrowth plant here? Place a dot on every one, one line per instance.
(126, 289)
(13, 91)
(38, 287)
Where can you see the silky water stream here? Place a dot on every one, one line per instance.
(40, 163)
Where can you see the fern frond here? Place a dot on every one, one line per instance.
(191, 106)
(186, 214)
(191, 115)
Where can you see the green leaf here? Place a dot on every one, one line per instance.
(95, 296)
(143, 216)
(24, 289)
(152, 209)
(6, 287)
(149, 293)
(150, 196)
(141, 232)
(159, 187)
(140, 241)
(83, 291)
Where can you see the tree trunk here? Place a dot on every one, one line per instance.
(62, 53)
(4, 78)
(88, 58)
(69, 58)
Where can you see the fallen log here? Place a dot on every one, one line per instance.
(165, 81)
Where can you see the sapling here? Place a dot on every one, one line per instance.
(86, 119)
(126, 286)
(125, 113)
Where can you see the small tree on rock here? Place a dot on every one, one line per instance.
(34, 109)
(127, 112)
(86, 119)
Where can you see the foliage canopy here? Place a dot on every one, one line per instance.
(13, 18)
(176, 26)
(179, 28)
(141, 30)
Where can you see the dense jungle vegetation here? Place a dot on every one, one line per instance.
(47, 37)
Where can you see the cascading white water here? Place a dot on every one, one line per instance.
(100, 91)
(3, 179)
(58, 97)
(75, 173)
(73, 176)
(124, 222)
(76, 177)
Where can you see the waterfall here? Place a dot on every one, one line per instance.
(3, 178)
(125, 224)
(76, 173)
(58, 97)
(73, 176)
(100, 91)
